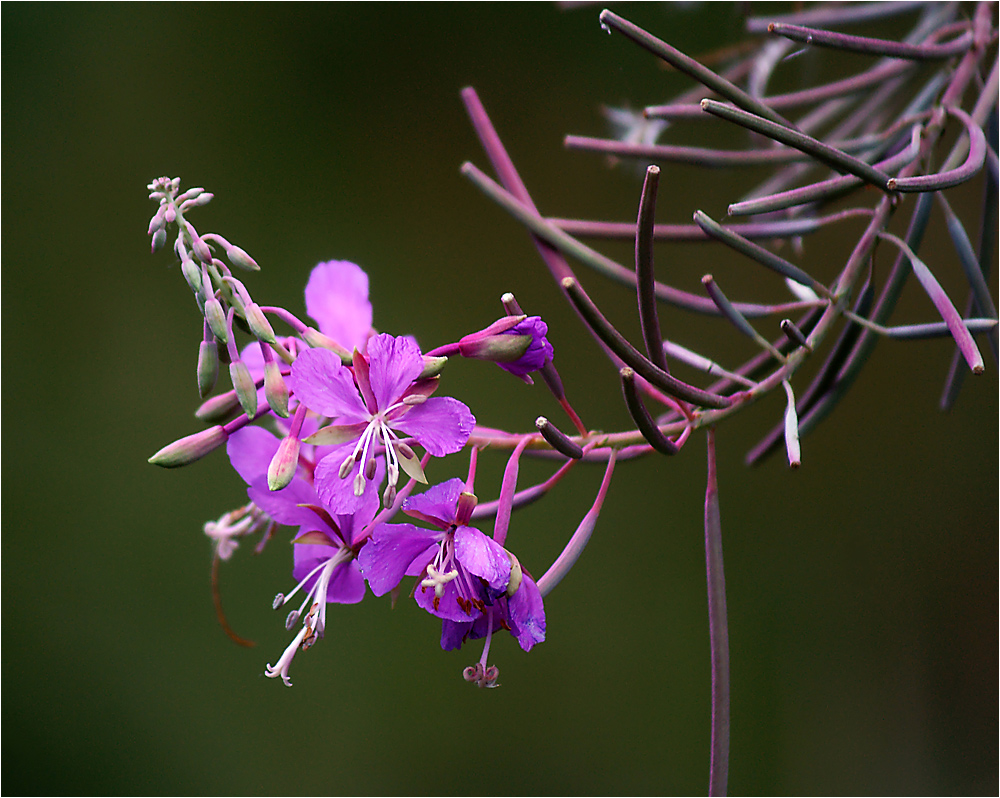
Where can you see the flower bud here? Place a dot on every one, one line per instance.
(218, 408)
(216, 318)
(208, 367)
(244, 386)
(159, 239)
(281, 470)
(432, 367)
(201, 249)
(496, 348)
(193, 202)
(275, 390)
(258, 323)
(193, 447)
(239, 258)
(192, 274)
(158, 221)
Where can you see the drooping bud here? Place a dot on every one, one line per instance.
(208, 367)
(192, 274)
(258, 323)
(283, 465)
(159, 239)
(275, 390)
(216, 318)
(218, 408)
(239, 258)
(244, 386)
(191, 448)
(496, 348)
(432, 367)
(201, 249)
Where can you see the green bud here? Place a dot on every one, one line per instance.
(275, 390)
(281, 470)
(208, 367)
(239, 258)
(244, 386)
(432, 367)
(258, 323)
(216, 318)
(219, 408)
(192, 274)
(193, 447)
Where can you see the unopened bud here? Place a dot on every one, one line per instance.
(208, 367)
(275, 390)
(244, 386)
(201, 250)
(159, 221)
(192, 274)
(281, 470)
(432, 367)
(203, 198)
(159, 239)
(239, 258)
(191, 448)
(216, 318)
(219, 408)
(258, 323)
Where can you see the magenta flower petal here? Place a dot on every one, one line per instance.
(453, 634)
(482, 556)
(250, 451)
(389, 552)
(527, 614)
(326, 386)
(337, 298)
(441, 425)
(395, 363)
(437, 502)
(445, 606)
(338, 494)
(539, 350)
(347, 586)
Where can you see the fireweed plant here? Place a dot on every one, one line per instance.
(332, 425)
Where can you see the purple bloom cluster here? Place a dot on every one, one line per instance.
(355, 426)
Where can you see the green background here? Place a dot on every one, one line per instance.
(862, 588)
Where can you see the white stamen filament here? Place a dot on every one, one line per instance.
(281, 669)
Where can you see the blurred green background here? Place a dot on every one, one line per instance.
(862, 588)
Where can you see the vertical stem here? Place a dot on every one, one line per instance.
(718, 630)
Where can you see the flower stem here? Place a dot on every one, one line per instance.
(718, 630)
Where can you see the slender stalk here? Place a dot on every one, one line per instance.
(718, 629)
(869, 46)
(645, 280)
(687, 65)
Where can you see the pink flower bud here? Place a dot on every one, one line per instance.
(281, 470)
(244, 386)
(216, 318)
(239, 258)
(275, 390)
(193, 447)
(258, 323)
(201, 249)
(159, 239)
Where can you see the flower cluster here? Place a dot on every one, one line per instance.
(333, 426)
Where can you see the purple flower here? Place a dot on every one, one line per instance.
(466, 578)
(375, 405)
(325, 565)
(519, 347)
(539, 351)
